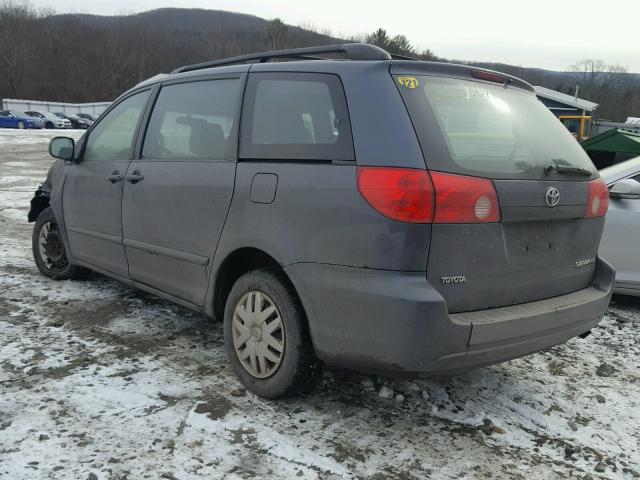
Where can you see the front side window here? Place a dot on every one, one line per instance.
(112, 138)
(301, 116)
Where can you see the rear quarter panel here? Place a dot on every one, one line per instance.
(318, 215)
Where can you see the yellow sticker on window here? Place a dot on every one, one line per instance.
(408, 82)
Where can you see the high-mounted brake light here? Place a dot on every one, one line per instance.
(489, 76)
(598, 199)
(418, 196)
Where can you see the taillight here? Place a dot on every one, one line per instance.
(418, 196)
(462, 199)
(398, 193)
(598, 199)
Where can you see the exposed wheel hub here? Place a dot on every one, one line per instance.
(51, 247)
(54, 246)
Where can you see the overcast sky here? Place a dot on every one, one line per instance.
(549, 34)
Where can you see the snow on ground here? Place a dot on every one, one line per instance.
(100, 381)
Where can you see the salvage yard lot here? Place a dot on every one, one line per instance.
(101, 381)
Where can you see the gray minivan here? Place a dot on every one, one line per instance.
(343, 207)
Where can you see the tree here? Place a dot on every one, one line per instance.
(400, 45)
(277, 33)
(18, 25)
(595, 77)
(379, 38)
(428, 55)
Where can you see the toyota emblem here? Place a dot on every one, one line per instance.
(552, 196)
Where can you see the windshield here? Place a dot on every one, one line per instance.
(19, 114)
(489, 129)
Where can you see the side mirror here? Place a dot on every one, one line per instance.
(627, 188)
(62, 147)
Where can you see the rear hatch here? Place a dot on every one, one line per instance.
(543, 241)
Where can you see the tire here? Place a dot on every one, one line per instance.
(20, 125)
(49, 251)
(48, 125)
(296, 367)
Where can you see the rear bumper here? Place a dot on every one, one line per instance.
(388, 321)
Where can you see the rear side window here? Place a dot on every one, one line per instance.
(192, 121)
(295, 116)
(486, 129)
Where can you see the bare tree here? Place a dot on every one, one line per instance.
(595, 77)
(17, 28)
(277, 33)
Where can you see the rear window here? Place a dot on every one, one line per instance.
(488, 130)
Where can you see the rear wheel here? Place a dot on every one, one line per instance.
(267, 337)
(48, 125)
(20, 125)
(48, 249)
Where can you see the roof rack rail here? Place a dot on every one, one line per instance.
(351, 51)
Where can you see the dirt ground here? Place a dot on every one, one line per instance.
(101, 381)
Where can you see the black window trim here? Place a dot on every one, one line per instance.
(232, 151)
(248, 152)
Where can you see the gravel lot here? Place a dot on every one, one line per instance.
(100, 381)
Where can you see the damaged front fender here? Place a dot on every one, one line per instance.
(39, 202)
(42, 196)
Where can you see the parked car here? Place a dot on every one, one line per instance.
(15, 119)
(622, 228)
(379, 214)
(76, 121)
(88, 116)
(50, 120)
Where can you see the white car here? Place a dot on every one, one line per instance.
(50, 120)
(622, 225)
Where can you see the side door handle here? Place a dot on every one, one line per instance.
(116, 176)
(135, 177)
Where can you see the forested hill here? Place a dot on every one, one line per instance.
(78, 57)
(82, 58)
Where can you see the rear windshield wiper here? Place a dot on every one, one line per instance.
(568, 170)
